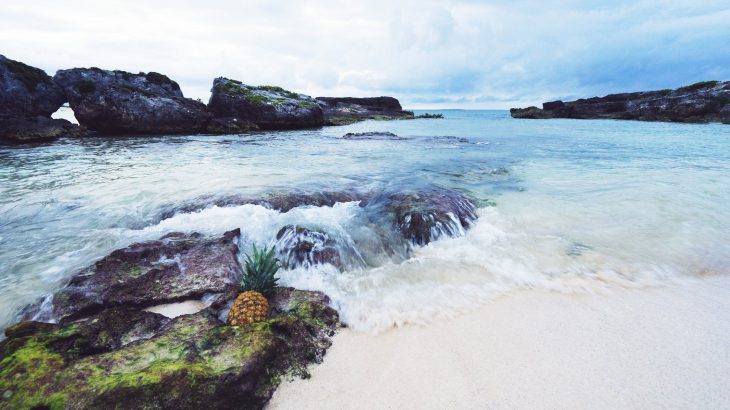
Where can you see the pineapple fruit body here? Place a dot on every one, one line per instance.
(249, 307)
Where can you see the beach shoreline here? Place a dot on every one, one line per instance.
(660, 347)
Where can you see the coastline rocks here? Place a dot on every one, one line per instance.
(192, 361)
(28, 97)
(347, 110)
(266, 106)
(19, 130)
(701, 102)
(429, 116)
(229, 125)
(118, 102)
(27, 91)
(174, 268)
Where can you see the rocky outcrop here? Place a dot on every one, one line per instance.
(132, 360)
(346, 110)
(28, 97)
(19, 130)
(174, 268)
(105, 351)
(118, 102)
(707, 101)
(267, 107)
(428, 214)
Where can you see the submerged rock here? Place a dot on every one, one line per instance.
(283, 201)
(427, 215)
(193, 361)
(346, 110)
(174, 268)
(701, 102)
(118, 102)
(299, 246)
(266, 106)
(378, 135)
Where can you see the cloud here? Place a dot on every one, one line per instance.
(427, 53)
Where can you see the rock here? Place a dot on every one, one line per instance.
(17, 130)
(193, 361)
(175, 268)
(28, 328)
(725, 114)
(529, 112)
(280, 201)
(28, 97)
(552, 105)
(700, 102)
(27, 91)
(346, 110)
(372, 136)
(299, 246)
(229, 125)
(266, 106)
(429, 116)
(426, 215)
(118, 102)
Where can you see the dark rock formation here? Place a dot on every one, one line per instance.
(701, 102)
(266, 106)
(229, 125)
(426, 215)
(27, 91)
(118, 102)
(346, 110)
(372, 136)
(299, 246)
(190, 362)
(28, 97)
(429, 116)
(174, 268)
(18, 130)
(280, 201)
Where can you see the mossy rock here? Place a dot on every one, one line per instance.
(266, 106)
(194, 361)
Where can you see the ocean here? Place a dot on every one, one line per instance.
(564, 205)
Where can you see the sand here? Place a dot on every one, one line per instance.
(666, 347)
(173, 310)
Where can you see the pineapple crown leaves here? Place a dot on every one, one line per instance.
(261, 268)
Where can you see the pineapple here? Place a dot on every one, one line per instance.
(259, 279)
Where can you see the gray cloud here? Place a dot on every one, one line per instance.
(428, 53)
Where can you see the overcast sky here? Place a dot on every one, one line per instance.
(429, 54)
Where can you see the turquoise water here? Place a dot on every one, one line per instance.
(569, 205)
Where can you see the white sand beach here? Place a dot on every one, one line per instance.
(666, 347)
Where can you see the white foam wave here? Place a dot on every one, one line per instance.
(456, 274)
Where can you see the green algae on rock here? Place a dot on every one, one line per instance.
(192, 361)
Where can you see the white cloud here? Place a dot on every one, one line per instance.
(467, 53)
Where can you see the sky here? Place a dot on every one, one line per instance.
(428, 54)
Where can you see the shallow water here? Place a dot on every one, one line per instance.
(568, 205)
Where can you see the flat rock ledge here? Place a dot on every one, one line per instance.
(106, 351)
(707, 101)
(348, 110)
